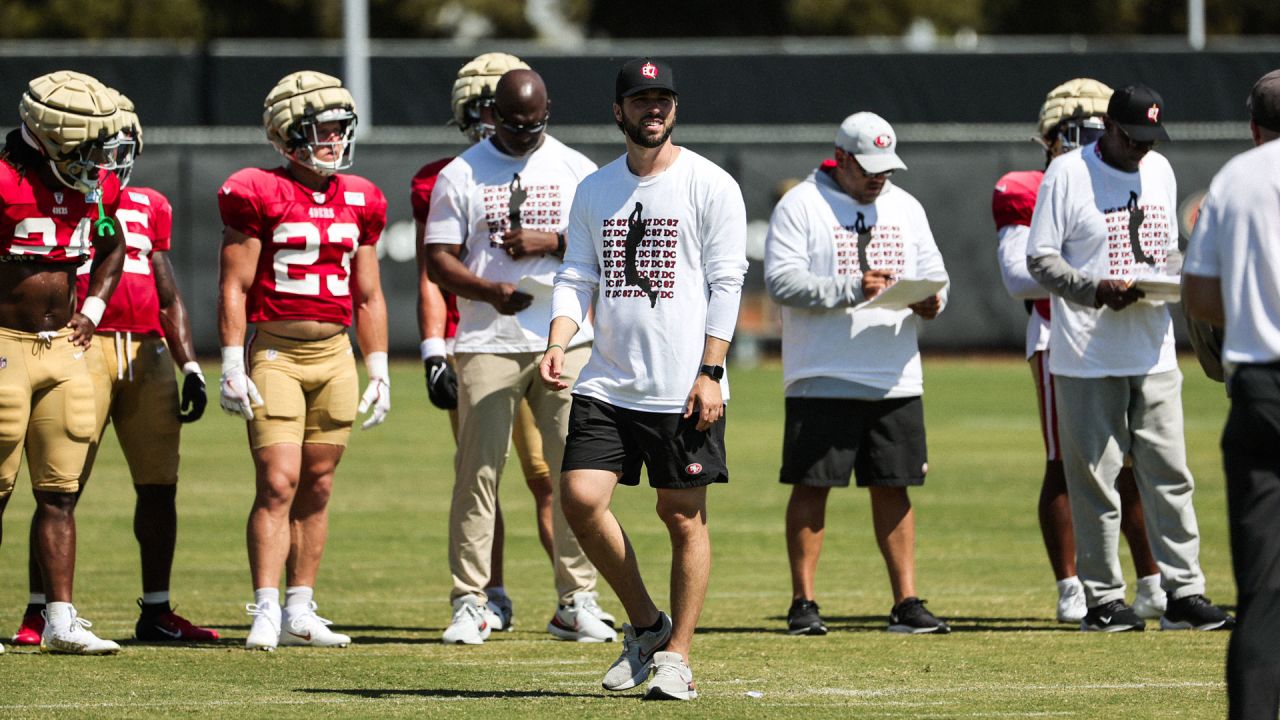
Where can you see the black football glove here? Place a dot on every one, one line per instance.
(191, 406)
(442, 383)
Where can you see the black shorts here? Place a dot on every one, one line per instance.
(677, 455)
(828, 439)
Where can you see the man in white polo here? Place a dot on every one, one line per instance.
(853, 377)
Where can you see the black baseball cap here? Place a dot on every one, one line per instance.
(644, 74)
(1139, 111)
(1264, 101)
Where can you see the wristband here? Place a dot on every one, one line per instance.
(553, 345)
(93, 308)
(560, 243)
(192, 368)
(432, 347)
(232, 358)
(376, 364)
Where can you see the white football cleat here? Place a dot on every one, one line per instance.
(1071, 604)
(74, 638)
(468, 626)
(578, 623)
(499, 610)
(264, 634)
(302, 626)
(591, 605)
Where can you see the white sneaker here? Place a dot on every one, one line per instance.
(75, 638)
(302, 626)
(1150, 602)
(264, 634)
(591, 605)
(633, 665)
(577, 622)
(468, 626)
(672, 679)
(499, 610)
(1071, 605)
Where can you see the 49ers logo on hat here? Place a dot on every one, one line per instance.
(883, 140)
(649, 70)
(693, 469)
(1153, 113)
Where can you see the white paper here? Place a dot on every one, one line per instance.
(903, 293)
(1167, 288)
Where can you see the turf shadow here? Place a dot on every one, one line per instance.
(383, 693)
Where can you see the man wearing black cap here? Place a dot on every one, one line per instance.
(1103, 228)
(1233, 282)
(660, 234)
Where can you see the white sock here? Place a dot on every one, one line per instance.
(1067, 583)
(59, 614)
(296, 595)
(262, 596)
(155, 598)
(1151, 583)
(36, 599)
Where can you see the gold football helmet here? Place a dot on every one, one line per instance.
(1073, 113)
(130, 136)
(474, 87)
(71, 118)
(294, 111)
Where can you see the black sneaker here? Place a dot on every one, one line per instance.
(1114, 616)
(803, 619)
(1195, 612)
(910, 616)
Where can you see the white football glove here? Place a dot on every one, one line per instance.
(377, 394)
(238, 393)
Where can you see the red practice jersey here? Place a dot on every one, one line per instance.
(420, 197)
(51, 226)
(147, 220)
(1013, 202)
(308, 239)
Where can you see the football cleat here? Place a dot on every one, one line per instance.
(1071, 603)
(1195, 612)
(170, 627)
(264, 634)
(74, 638)
(30, 630)
(468, 626)
(302, 626)
(499, 610)
(576, 622)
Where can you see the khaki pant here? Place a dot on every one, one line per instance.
(489, 388)
(136, 392)
(1102, 420)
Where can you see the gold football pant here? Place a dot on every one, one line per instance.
(136, 392)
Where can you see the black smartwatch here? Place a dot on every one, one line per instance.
(715, 372)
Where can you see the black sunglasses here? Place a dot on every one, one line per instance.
(525, 129)
(1145, 145)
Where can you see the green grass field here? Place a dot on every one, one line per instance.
(385, 581)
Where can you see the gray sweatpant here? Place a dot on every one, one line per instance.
(1100, 420)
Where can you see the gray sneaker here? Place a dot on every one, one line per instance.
(633, 665)
(672, 679)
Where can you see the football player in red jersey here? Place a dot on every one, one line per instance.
(438, 322)
(135, 392)
(57, 197)
(298, 260)
(1070, 118)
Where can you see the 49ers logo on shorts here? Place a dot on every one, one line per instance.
(883, 140)
(649, 70)
(1153, 113)
(693, 469)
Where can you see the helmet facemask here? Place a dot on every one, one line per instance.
(305, 140)
(474, 124)
(81, 167)
(126, 155)
(1078, 132)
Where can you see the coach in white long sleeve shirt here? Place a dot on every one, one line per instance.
(1104, 218)
(658, 237)
(852, 375)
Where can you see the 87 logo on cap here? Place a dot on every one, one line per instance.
(649, 70)
(1153, 113)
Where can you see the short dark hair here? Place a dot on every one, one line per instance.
(1264, 101)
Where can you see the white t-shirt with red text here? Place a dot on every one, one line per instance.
(1091, 213)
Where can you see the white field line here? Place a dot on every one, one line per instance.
(785, 696)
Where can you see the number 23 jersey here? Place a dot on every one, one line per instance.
(308, 240)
